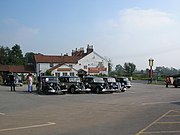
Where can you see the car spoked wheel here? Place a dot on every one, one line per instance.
(46, 92)
(98, 90)
(72, 90)
(58, 90)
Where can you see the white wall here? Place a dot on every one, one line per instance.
(43, 67)
(60, 73)
(91, 60)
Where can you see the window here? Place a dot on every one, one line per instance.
(64, 74)
(51, 64)
(71, 66)
(71, 73)
(57, 74)
(85, 67)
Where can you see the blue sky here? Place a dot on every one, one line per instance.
(121, 30)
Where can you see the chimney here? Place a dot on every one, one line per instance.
(73, 53)
(81, 51)
(89, 48)
(66, 54)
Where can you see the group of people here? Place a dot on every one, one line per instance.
(29, 79)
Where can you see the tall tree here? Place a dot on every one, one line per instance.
(16, 56)
(119, 70)
(29, 58)
(129, 68)
(4, 55)
(110, 65)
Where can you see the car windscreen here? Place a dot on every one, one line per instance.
(125, 79)
(51, 79)
(111, 80)
(75, 79)
(99, 80)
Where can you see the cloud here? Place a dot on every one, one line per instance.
(143, 20)
(136, 34)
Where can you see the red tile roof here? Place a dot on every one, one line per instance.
(40, 58)
(96, 70)
(4, 68)
(58, 65)
(64, 69)
(17, 68)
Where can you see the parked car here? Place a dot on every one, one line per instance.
(124, 82)
(73, 84)
(18, 80)
(111, 84)
(176, 82)
(96, 84)
(50, 84)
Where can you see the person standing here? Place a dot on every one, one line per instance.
(30, 82)
(12, 82)
(168, 81)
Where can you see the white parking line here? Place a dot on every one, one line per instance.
(26, 127)
(154, 103)
(2, 113)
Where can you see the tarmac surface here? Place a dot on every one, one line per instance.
(142, 109)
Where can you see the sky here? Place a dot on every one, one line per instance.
(120, 30)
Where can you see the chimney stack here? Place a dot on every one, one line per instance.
(89, 48)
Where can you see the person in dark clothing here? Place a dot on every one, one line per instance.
(12, 82)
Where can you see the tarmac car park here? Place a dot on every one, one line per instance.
(154, 107)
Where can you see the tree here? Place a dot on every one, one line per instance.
(48, 72)
(16, 56)
(4, 55)
(129, 68)
(165, 71)
(119, 70)
(29, 58)
(110, 65)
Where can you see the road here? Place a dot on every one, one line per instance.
(142, 109)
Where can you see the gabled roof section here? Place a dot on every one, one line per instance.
(59, 65)
(100, 56)
(40, 58)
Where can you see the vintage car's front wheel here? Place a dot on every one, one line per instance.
(58, 90)
(72, 90)
(98, 90)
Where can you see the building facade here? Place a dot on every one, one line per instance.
(90, 62)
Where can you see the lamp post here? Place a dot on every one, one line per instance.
(150, 70)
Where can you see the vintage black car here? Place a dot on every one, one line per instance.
(124, 81)
(17, 82)
(96, 84)
(111, 84)
(50, 84)
(176, 82)
(73, 84)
